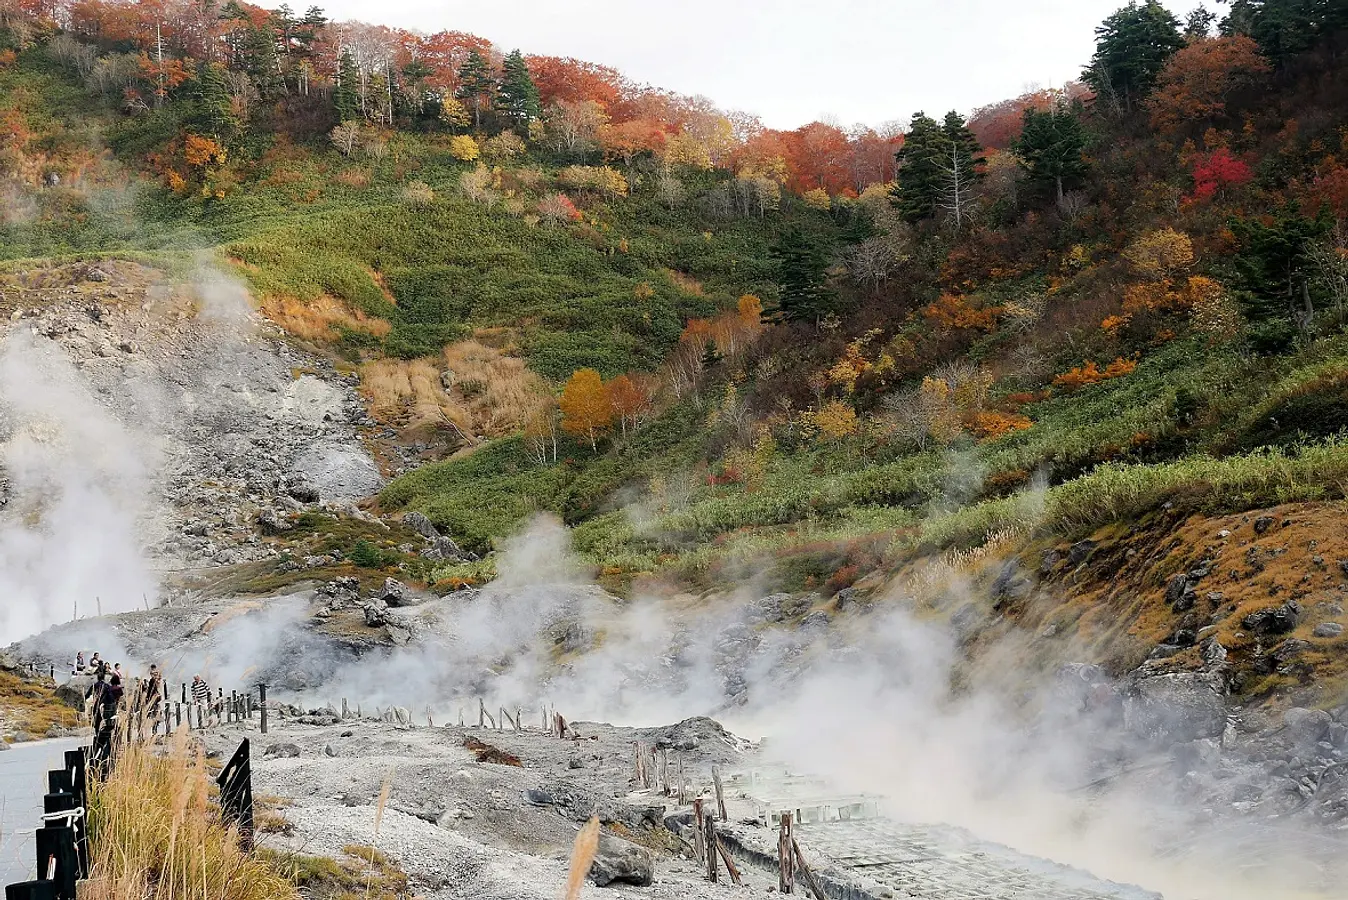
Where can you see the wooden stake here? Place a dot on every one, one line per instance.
(720, 794)
(664, 771)
(805, 870)
(729, 864)
(786, 865)
(683, 795)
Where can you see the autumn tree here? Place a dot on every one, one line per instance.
(573, 126)
(1051, 148)
(629, 398)
(1193, 88)
(1216, 171)
(587, 409)
(628, 140)
(1131, 47)
(517, 99)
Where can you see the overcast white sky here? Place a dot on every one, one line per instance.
(792, 61)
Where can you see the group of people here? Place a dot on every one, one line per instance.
(107, 698)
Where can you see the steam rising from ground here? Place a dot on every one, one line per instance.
(78, 480)
(881, 703)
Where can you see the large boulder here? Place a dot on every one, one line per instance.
(339, 472)
(620, 862)
(1175, 706)
(1274, 619)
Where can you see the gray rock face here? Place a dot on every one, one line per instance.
(1328, 630)
(1175, 706)
(1307, 726)
(619, 862)
(340, 473)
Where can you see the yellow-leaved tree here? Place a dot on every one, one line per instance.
(587, 409)
(464, 148)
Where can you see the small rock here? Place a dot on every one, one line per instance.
(1080, 551)
(396, 594)
(328, 751)
(421, 525)
(1263, 524)
(1328, 630)
(283, 750)
(539, 797)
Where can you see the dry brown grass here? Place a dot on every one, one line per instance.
(320, 319)
(155, 835)
(686, 283)
(499, 391)
(493, 393)
(30, 705)
(408, 394)
(582, 857)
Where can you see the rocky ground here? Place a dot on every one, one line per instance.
(480, 812)
(239, 427)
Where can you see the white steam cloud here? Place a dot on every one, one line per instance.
(77, 483)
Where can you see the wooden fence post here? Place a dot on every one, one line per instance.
(712, 854)
(701, 841)
(262, 704)
(720, 794)
(786, 864)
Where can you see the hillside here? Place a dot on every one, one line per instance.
(1115, 300)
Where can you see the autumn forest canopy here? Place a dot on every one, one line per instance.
(825, 345)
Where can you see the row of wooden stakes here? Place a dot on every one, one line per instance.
(710, 849)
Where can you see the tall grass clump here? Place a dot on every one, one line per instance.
(154, 834)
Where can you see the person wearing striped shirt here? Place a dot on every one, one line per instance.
(201, 695)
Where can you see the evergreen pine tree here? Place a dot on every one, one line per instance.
(344, 99)
(1131, 47)
(922, 166)
(518, 100)
(1050, 147)
(476, 87)
(1277, 270)
(801, 264)
(1285, 28)
(212, 111)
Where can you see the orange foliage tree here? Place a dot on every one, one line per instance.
(629, 397)
(952, 313)
(1193, 88)
(587, 410)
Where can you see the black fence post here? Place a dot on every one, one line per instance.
(31, 890)
(56, 850)
(262, 702)
(236, 794)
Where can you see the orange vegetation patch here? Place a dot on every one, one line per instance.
(322, 319)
